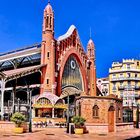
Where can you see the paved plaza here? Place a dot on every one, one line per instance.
(60, 134)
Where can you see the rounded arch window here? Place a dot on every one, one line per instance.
(95, 111)
(72, 74)
(43, 101)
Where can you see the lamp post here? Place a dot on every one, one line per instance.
(75, 106)
(137, 116)
(30, 112)
(132, 112)
(68, 99)
(18, 106)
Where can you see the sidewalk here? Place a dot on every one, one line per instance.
(60, 134)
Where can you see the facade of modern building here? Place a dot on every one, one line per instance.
(124, 81)
(56, 75)
(103, 86)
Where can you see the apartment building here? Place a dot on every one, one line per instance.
(124, 81)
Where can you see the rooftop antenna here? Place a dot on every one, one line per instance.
(48, 1)
(90, 35)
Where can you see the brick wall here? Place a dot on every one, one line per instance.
(6, 126)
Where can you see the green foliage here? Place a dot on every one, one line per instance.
(18, 118)
(78, 121)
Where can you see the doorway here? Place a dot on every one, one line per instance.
(111, 119)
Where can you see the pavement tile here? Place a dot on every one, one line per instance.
(60, 134)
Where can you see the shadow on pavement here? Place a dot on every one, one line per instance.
(136, 138)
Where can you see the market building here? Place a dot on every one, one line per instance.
(57, 75)
(50, 71)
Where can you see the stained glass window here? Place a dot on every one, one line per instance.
(72, 74)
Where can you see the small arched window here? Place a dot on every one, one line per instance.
(119, 113)
(95, 111)
(47, 22)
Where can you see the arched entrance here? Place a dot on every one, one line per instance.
(72, 92)
(111, 119)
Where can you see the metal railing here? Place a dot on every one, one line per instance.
(124, 69)
(129, 87)
(124, 78)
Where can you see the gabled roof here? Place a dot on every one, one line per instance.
(67, 34)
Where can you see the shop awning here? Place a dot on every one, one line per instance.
(61, 106)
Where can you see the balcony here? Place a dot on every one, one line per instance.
(125, 79)
(129, 87)
(137, 87)
(131, 69)
(121, 88)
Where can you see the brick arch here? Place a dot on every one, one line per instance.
(111, 108)
(73, 52)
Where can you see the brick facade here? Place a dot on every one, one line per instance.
(101, 121)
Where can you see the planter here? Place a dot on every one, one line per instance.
(78, 131)
(25, 127)
(18, 130)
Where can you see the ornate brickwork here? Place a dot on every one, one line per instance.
(56, 52)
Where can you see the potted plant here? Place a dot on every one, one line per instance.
(18, 119)
(79, 124)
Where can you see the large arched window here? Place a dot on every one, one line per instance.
(95, 111)
(72, 75)
(43, 101)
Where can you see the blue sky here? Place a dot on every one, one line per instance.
(115, 26)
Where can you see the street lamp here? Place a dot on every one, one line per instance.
(30, 112)
(75, 106)
(137, 116)
(132, 112)
(68, 99)
(30, 108)
(18, 105)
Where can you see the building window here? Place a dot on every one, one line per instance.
(47, 81)
(121, 94)
(128, 66)
(136, 83)
(48, 55)
(121, 75)
(114, 75)
(128, 74)
(47, 22)
(119, 113)
(136, 75)
(50, 22)
(95, 111)
(129, 84)
(137, 63)
(121, 83)
(114, 86)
